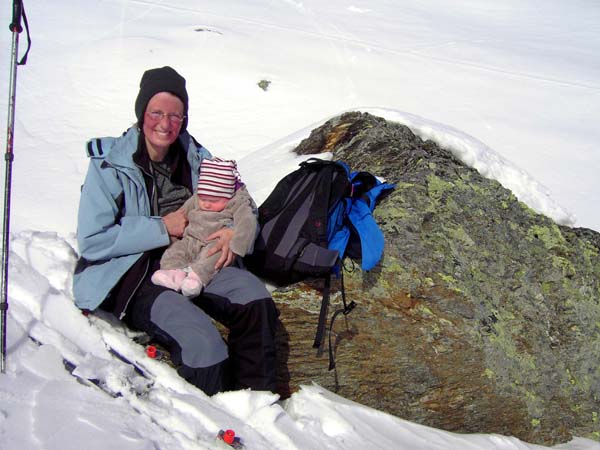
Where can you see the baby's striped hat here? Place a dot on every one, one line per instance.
(218, 178)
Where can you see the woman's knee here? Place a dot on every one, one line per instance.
(238, 286)
(192, 330)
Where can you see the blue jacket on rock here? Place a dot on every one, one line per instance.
(114, 225)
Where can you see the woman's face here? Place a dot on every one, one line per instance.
(162, 122)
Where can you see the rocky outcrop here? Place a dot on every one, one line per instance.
(483, 316)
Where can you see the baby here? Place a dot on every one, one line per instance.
(221, 200)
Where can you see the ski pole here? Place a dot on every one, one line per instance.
(16, 28)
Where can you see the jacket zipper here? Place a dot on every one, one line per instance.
(142, 278)
(153, 200)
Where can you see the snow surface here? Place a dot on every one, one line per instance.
(511, 87)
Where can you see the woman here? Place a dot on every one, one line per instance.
(129, 211)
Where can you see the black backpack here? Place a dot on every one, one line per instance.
(306, 229)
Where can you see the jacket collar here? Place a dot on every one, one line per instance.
(125, 151)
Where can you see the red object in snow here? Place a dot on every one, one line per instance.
(151, 351)
(229, 436)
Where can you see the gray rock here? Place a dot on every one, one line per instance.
(483, 316)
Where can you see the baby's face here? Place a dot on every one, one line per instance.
(209, 203)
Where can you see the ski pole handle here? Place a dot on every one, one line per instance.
(15, 25)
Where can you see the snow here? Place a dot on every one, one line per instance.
(511, 87)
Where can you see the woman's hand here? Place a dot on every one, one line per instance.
(223, 237)
(175, 223)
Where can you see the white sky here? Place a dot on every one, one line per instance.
(511, 87)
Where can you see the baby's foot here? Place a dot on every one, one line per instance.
(191, 286)
(169, 278)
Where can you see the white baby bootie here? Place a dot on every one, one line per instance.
(169, 278)
(191, 286)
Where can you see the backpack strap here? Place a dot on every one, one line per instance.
(346, 309)
(323, 313)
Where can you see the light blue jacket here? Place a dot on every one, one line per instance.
(114, 224)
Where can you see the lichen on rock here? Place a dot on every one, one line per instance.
(482, 316)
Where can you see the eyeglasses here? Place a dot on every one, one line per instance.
(157, 116)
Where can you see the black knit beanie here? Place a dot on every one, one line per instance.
(163, 79)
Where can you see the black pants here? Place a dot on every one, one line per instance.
(235, 298)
